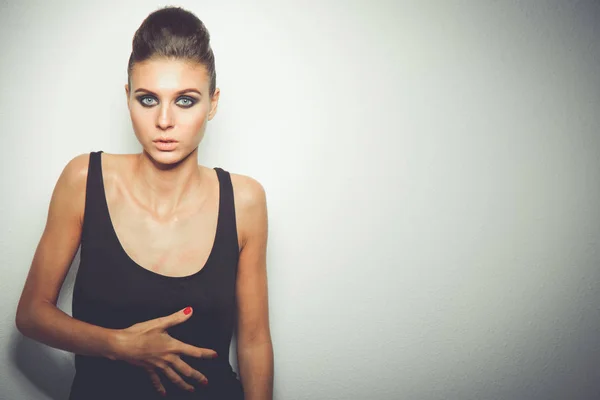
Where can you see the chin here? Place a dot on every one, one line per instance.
(168, 158)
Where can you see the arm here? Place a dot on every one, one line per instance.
(254, 347)
(144, 344)
(37, 315)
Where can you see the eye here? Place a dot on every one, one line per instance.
(186, 102)
(147, 101)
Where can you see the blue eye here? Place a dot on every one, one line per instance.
(187, 102)
(147, 101)
(150, 101)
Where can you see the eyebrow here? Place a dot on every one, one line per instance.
(179, 92)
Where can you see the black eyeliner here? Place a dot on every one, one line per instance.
(140, 99)
(192, 100)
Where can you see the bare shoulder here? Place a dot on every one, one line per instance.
(73, 178)
(68, 197)
(250, 205)
(248, 191)
(70, 189)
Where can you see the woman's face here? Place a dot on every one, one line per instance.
(169, 104)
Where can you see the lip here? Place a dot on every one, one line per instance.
(165, 139)
(165, 144)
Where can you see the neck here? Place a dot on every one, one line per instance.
(165, 189)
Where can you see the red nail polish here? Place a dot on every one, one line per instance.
(205, 382)
(215, 355)
(187, 310)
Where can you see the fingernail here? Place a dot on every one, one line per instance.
(187, 310)
(192, 390)
(215, 355)
(163, 394)
(205, 382)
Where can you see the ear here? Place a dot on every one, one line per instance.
(127, 93)
(214, 103)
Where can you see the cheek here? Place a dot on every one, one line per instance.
(142, 120)
(192, 121)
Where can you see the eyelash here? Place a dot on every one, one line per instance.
(142, 98)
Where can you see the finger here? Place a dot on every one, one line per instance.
(156, 381)
(176, 379)
(189, 350)
(175, 318)
(187, 371)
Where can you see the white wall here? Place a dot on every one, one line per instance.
(432, 172)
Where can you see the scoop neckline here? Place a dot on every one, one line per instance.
(134, 263)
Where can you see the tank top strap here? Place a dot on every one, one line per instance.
(227, 226)
(93, 219)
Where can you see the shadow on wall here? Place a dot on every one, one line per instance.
(50, 370)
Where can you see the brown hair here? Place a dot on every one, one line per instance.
(172, 32)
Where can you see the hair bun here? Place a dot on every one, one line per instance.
(172, 32)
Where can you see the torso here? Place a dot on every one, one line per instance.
(111, 291)
(173, 246)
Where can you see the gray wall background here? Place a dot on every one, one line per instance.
(432, 171)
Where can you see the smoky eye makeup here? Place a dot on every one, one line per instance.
(147, 101)
(186, 101)
(182, 101)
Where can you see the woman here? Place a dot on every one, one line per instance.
(172, 252)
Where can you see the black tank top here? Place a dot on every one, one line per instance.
(113, 291)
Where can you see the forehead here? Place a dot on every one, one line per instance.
(169, 75)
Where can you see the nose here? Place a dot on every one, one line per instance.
(165, 118)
